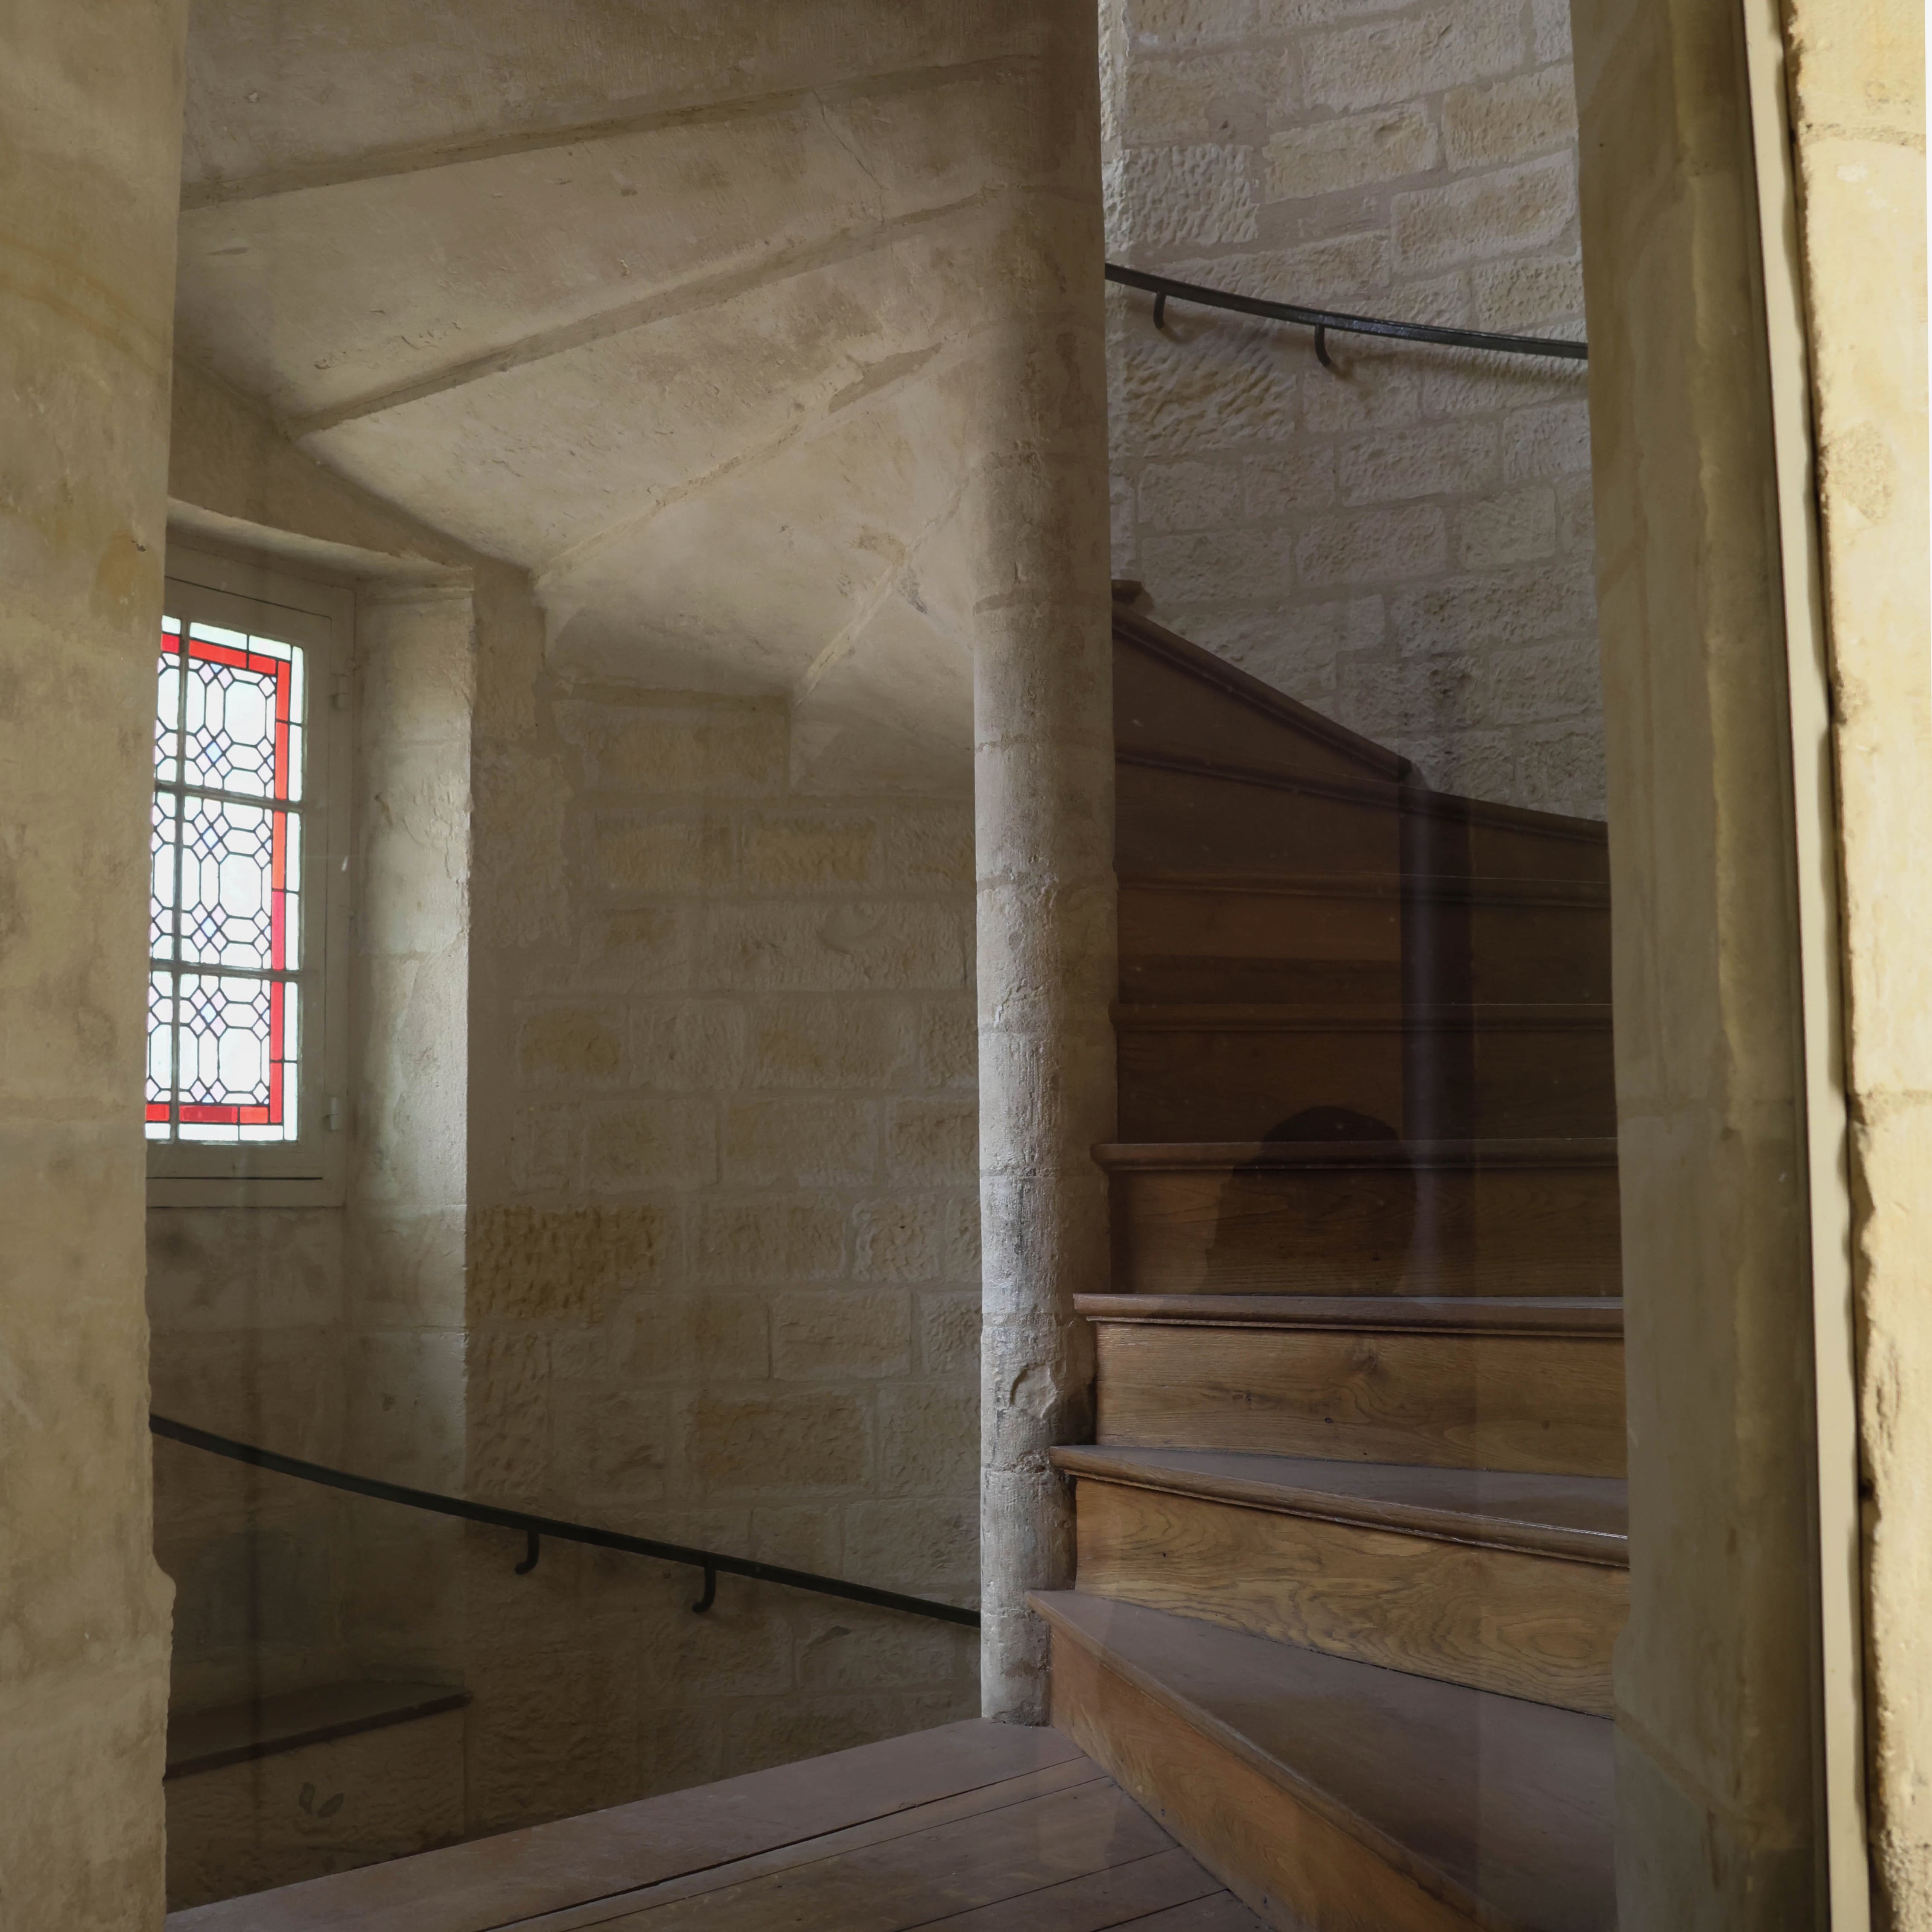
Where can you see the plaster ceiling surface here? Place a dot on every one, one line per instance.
(683, 307)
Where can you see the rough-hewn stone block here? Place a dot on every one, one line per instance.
(1510, 121)
(1187, 23)
(924, 1237)
(564, 1264)
(1349, 152)
(563, 1046)
(739, 1243)
(801, 1140)
(723, 748)
(771, 1445)
(1202, 194)
(667, 1140)
(674, 849)
(1189, 495)
(819, 1043)
(838, 1333)
(1444, 459)
(1468, 614)
(1242, 565)
(1276, 487)
(688, 1046)
(1526, 207)
(934, 1142)
(826, 846)
(1425, 51)
(1552, 441)
(1515, 529)
(1219, 97)
(1381, 546)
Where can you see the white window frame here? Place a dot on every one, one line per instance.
(311, 1170)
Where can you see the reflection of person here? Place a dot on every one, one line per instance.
(1363, 1247)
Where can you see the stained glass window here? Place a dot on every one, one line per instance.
(224, 1001)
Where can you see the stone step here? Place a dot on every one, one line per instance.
(1316, 939)
(1534, 1217)
(1518, 1383)
(1242, 1072)
(1507, 1583)
(1339, 1795)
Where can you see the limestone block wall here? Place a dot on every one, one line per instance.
(723, 1244)
(1405, 543)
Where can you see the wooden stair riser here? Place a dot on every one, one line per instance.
(1178, 815)
(1215, 941)
(1185, 1076)
(1542, 1404)
(1170, 820)
(1278, 1852)
(1516, 1230)
(1522, 1623)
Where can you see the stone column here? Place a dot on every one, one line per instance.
(1043, 768)
(1717, 1741)
(90, 137)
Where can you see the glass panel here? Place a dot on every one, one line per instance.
(238, 715)
(167, 704)
(237, 1058)
(161, 1052)
(163, 887)
(233, 867)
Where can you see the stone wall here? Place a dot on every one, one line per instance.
(1404, 544)
(723, 1271)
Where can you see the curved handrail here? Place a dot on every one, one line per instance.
(534, 1528)
(1164, 288)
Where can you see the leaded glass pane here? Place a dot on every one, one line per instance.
(222, 1035)
(160, 1053)
(236, 1064)
(236, 722)
(163, 896)
(167, 705)
(236, 906)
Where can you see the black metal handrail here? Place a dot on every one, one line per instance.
(1164, 288)
(712, 1562)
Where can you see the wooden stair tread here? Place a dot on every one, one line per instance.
(543, 1869)
(1177, 1016)
(1369, 1314)
(1593, 1150)
(1580, 1519)
(1503, 890)
(1498, 1805)
(200, 1741)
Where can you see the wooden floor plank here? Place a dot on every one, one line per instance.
(493, 1882)
(1010, 1795)
(1123, 1895)
(1220, 1912)
(913, 1881)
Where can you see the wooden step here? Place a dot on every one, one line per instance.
(1229, 1072)
(1206, 938)
(964, 1828)
(1507, 1583)
(1338, 1795)
(1522, 1384)
(1536, 1217)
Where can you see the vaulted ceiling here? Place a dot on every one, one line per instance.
(681, 304)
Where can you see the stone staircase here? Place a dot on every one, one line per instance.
(1351, 1547)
